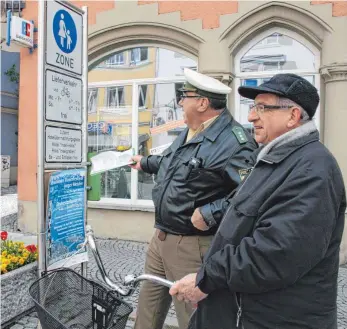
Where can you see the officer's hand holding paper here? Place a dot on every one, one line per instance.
(135, 162)
(110, 160)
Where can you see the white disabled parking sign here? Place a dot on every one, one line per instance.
(64, 37)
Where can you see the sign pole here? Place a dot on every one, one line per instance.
(42, 266)
(85, 111)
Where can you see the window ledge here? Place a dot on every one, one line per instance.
(105, 204)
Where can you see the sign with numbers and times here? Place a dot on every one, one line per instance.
(63, 99)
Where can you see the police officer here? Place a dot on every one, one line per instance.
(205, 163)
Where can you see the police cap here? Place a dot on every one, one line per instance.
(204, 85)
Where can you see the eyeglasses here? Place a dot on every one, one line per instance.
(261, 108)
(182, 96)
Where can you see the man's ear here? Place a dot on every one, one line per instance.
(204, 104)
(295, 117)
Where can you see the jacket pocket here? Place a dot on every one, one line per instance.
(164, 164)
(167, 152)
(194, 174)
(239, 220)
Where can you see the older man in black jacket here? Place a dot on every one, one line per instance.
(204, 164)
(274, 260)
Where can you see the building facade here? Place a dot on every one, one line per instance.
(137, 50)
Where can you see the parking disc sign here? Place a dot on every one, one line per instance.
(64, 37)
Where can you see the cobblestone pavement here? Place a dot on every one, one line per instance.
(127, 257)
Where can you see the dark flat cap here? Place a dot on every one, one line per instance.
(287, 85)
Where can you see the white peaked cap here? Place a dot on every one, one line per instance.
(205, 83)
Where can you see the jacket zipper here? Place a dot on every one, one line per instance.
(168, 183)
(239, 300)
(239, 309)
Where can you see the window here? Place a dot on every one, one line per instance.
(272, 39)
(274, 51)
(147, 124)
(117, 59)
(92, 100)
(115, 97)
(142, 95)
(178, 86)
(138, 55)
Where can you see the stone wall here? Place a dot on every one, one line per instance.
(15, 297)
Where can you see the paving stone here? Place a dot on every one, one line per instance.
(23, 321)
(17, 326)
(32, 319)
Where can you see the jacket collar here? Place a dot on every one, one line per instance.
(214, 130)
(280, 153)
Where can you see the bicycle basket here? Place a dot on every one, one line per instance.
(66, 300)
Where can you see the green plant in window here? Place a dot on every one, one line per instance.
(12, 74)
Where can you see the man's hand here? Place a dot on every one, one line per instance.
(137, 159)
(186, 290)
(198, 221)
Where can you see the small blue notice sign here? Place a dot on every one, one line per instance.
(66, 218)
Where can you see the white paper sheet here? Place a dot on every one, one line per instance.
(110, 160)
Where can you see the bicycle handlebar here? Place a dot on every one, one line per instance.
(129, 280)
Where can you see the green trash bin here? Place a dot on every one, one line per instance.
(94, 182)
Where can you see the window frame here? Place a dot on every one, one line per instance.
(90, 91)
(111, 61)
(266, 74)
(118, 89)
(137, 62)
(134, 203)
(143, 96)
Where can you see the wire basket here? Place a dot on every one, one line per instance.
(66, 300)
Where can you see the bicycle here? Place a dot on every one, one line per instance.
(75, 302)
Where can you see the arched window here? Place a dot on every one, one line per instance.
(132, 105)
(274, 51)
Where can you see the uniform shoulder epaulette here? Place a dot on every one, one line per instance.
(240, 135)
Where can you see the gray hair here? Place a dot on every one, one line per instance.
(282, 101)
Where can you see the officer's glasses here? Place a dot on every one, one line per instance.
(261, 108)
(183, 95)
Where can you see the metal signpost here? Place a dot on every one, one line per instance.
(62, 134)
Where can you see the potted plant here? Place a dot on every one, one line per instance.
(18, 271)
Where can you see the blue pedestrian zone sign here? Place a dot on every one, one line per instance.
(64, 30)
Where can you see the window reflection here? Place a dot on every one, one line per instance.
(92, 100)
(110, 111)
(277, 52)
(115, 97)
